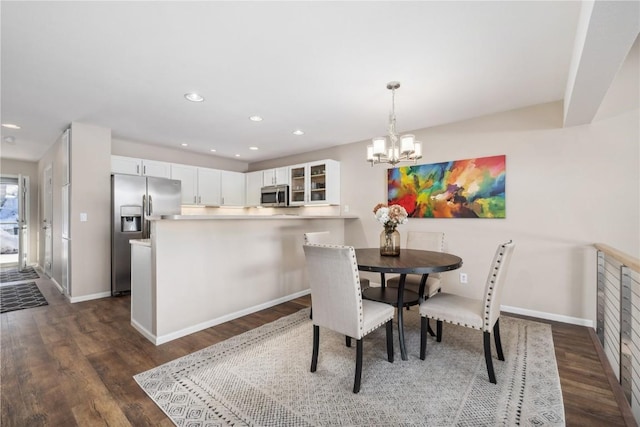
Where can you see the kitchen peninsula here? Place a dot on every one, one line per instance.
(197, 271)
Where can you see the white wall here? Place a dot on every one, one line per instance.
(90, 194)
(566, 189)
(13, 167)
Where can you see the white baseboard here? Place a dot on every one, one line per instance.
(157, 340)
(90, 297)
(145, 333)
(547, 316)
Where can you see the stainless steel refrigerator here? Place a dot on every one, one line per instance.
(133, 199)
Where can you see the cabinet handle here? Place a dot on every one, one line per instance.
(195, 200)
(223, 200)
(138, 169)
(199, 199)
(144, 170)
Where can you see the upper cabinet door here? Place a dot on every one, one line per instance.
(315, 183)
(188, 176)
(127, 165)
(282, 176)
(232, 188)
(156, 169)
(298, 189)
(208, 187)
(279, 176)
(253, 186)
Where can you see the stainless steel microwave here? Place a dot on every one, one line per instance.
(275, 196)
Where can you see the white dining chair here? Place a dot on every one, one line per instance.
(337, 302)
(482, 314)
(324, 238)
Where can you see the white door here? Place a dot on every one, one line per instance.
(23, 221)
(47, 221)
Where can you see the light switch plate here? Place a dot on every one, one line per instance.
(83, 217)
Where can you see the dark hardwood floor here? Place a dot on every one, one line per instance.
(73, 365)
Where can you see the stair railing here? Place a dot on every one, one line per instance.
(618, 318)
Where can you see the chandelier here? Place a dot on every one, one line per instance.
(400, 148)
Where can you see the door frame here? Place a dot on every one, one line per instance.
(23, 220)
(47, 220)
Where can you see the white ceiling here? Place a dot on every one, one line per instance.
(317, 66)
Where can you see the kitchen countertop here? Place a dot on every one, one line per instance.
(141, 242)
(249, 217)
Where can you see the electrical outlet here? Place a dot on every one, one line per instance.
(463, 278)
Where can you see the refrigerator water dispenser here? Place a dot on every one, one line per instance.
(130, 218)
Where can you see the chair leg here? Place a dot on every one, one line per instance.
(439, 330)
(433, 334)
(316, 343)
(347, 340)
(424, 325)
(390, 340)
(487, 356)
(356, 383)
(496, 337)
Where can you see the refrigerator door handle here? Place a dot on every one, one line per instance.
(150, 205)
(143, 225)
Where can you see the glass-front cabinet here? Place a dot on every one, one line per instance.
(315, 183)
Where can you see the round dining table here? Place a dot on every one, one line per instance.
(410, 261)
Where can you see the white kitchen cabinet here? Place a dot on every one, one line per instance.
(200, 186)
(315, 183)
(209, 187)
(128, 165)
(188, 176)
(253, 186)
(135, 166)
(156, 168)
(232, 188)
(278, 176)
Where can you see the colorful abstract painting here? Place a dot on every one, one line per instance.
(472, 188)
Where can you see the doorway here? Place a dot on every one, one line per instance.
(14, 225)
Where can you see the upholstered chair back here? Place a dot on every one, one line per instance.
(495, 284)
(335, 288)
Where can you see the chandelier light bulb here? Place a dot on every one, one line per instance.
(379, 146)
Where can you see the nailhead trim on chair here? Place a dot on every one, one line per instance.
(454, 323)
(486, 327)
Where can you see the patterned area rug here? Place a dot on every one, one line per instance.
(262, 378)
(19, 297)
(15, 275)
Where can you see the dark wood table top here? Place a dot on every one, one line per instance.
(410, 261)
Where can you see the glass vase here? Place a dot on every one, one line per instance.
(390, 242)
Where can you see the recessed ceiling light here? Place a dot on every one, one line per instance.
(184, 144)
(213, 150)
(194, 97)
(237, 155)
(298, 132)
(10, 126)
(253, 148)
(9, 139)
(255, 118)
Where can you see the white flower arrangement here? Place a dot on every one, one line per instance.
(390, 216)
